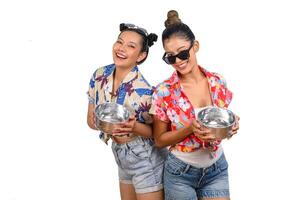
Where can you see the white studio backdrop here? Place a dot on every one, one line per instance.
(49, 50)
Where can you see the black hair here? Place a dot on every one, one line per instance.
(175, 27)
(147, 39)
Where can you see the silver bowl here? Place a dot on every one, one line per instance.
(109, 114)
(219, 121)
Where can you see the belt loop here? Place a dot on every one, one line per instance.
(203, 174)
(215, 166)
(186, 168)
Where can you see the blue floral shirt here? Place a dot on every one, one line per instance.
(134, 92)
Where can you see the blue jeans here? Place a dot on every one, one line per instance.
(140, 163)
(185, 182)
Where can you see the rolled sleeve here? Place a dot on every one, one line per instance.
(158, 107)
(91, 90)
(228, 94)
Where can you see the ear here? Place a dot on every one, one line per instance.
(196, 46)
(141, 56)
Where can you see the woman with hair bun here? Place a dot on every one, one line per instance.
(140, 163)
(196, 167)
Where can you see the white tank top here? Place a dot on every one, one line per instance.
(200, 158)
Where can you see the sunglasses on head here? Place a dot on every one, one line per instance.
(183, 55)
(124, 26)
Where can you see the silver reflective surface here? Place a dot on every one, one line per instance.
(218, 120)
(108, 114)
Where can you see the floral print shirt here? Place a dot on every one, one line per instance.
(171, 105)
(134, 92)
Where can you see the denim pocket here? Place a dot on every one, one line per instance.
(116, 156)
(140, 152)
(174, 168)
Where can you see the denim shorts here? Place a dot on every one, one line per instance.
(185, 182)
(140, 163)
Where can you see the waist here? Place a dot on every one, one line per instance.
(136, 141)
(121, 139)
(200, 158)
(175, 161)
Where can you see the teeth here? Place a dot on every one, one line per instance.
(121, 55)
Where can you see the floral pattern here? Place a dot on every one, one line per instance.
(183, 103)
(134, 92)
(171, 105)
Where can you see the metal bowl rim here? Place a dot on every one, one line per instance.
(124, 108)
(227, 110)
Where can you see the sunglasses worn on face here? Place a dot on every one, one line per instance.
(183, 55)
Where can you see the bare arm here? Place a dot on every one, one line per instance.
(164, 137)
(143, 130)
(91, 116)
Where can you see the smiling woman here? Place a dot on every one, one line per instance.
(196, 167)
(140, 164)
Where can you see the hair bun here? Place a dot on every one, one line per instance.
(172, 18)
(151, 38)
(122, 27)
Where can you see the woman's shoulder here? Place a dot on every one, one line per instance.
(142, 82)
(167, 82)
(215, 77)
(162, 85)
(220, 78)
(104, 70)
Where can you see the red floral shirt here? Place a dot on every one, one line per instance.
(171, 105)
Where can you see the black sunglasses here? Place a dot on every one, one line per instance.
(183, 55)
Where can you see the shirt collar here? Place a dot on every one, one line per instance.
(175, 78)
(108, 73)
(130, 76)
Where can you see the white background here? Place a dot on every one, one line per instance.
(49, 50)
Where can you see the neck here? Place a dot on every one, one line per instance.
(121, 72)
(194, 76)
